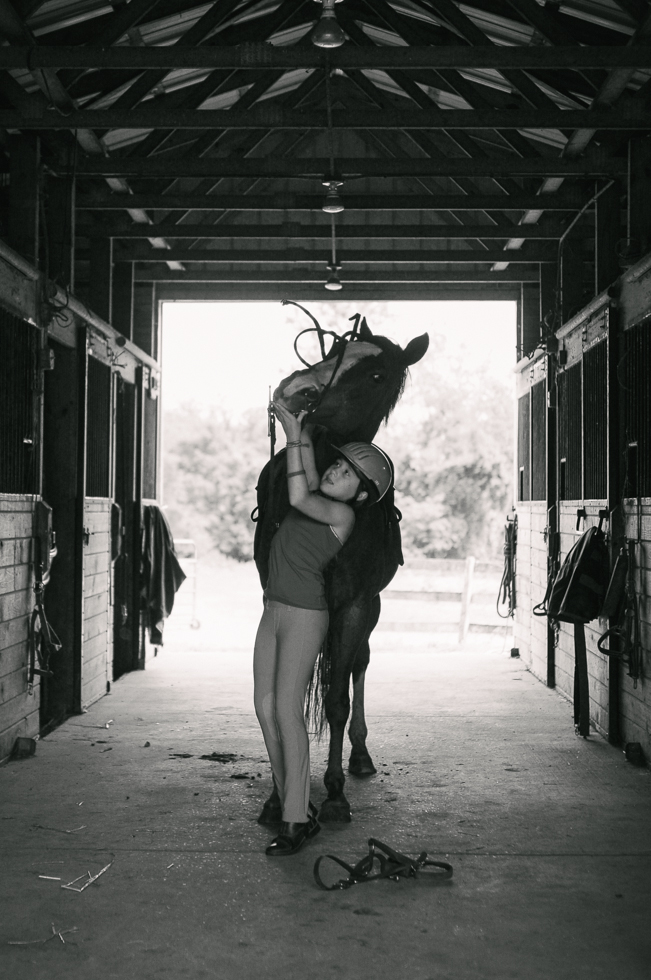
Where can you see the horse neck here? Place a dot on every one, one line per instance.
(365, 432)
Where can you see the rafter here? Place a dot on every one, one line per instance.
(270, 116)
(422, 232)
(212, 18)
(348, 276)
(135, 252)
(287, 201)
(218, 55)
(597, 164)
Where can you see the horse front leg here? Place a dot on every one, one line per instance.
(347, 635)
(360, 762)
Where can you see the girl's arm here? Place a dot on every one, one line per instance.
(332, 512)
(307, 455)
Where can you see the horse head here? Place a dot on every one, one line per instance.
(355, 386)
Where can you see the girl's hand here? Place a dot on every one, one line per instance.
(290, 423)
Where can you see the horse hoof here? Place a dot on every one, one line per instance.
(271, 815)
(361, 765)
(333, 812)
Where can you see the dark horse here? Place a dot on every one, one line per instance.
(347, 394)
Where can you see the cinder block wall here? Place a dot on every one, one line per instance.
(530, 632)
(97, 656)
(19, 710)
(597, 662)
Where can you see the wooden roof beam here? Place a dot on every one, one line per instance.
(571, 200)
(270, 116)
(143, 85)
(137, 252)
(350, 168)
(348, 276)
(289, 230)
(256, 56)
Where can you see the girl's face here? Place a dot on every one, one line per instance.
(340, 481)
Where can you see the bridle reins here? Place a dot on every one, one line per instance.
(339, 345)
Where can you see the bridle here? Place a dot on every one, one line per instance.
(338, 346)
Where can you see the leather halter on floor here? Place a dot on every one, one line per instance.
(391, 864)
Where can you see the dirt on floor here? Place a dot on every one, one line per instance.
(549, 835)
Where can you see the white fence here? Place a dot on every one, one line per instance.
(444, 596)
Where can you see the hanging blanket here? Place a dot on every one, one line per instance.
(161, 574)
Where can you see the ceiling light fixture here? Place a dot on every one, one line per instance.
(333, 279)
(327, 33)
(332, 203)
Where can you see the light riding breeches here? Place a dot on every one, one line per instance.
(286, 647)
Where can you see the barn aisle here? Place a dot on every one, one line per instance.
(477, 761)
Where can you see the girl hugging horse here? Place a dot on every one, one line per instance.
(294, 623)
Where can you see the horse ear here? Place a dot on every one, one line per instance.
(365, 332)
(416, 349)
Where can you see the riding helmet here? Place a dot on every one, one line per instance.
(371, 462)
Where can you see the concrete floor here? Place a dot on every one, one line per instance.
(549, 835)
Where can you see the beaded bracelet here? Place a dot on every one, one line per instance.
(293, 445)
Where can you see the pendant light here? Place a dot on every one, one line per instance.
(327, 33)
(332, 203)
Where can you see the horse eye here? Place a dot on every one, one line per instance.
(378, 378)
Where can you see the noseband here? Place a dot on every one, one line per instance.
(338, 348)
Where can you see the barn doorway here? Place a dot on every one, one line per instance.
(451, 436)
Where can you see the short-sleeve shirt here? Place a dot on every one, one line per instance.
(300, 550)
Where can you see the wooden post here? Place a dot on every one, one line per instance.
(640, 199)
(617, 524)
(572, 298)
(80, 502)
(122, 318)
(608, 233)
(60, 443)
(466, 597)
(100, 286)
(551, 496)
(549, 299)
(530, 316)
(143, 317)
(60, 212)
(138, 635)
(24, 195)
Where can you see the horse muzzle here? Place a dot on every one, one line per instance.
(299, 397)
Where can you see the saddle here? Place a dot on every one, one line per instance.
(391, 865)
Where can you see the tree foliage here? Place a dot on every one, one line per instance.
(450, 439)
(451, 443)
(212, 464)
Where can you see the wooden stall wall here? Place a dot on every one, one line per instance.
(57, 402)
(19, 707)
(20, 409)
(583, 445)
(530, 632)
(634, 382)
(97, 648)
(635, 695)
(564, 660)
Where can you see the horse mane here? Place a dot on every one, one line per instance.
(394, 352)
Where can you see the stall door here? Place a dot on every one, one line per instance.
(125, 626)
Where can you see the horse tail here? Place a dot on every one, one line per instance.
(315, 714)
